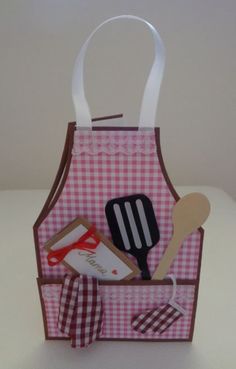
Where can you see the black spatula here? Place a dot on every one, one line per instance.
(133, 227)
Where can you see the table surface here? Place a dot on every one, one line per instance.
(22, 344)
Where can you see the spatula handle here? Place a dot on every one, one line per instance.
(143, 266)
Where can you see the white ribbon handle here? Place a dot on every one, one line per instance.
(151, 91)
(172, 301)
(173, 279)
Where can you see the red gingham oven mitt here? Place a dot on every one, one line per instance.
(161, 317)
(80, 314)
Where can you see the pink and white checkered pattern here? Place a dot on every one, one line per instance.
(109, 164)
(121, 303)
(105, 165)
(51, 294)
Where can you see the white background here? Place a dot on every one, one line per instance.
(39, 40)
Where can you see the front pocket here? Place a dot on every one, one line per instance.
(121, 301)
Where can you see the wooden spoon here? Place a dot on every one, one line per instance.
(189, 213)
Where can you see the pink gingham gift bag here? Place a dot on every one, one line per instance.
(102, 163)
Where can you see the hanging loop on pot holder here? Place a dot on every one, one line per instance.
(151, 91)
(159, 319)
(80, 313)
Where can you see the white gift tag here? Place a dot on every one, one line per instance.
(105, 262)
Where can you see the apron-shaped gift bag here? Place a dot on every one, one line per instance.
(102, 163)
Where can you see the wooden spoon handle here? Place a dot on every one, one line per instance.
(167, 259)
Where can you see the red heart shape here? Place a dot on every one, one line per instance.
(114, 271)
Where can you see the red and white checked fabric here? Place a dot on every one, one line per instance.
(80, 312)
(109, 164)
(157, 320)
(121, 303)
(160, 318)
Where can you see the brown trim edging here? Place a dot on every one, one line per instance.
(187, 282)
